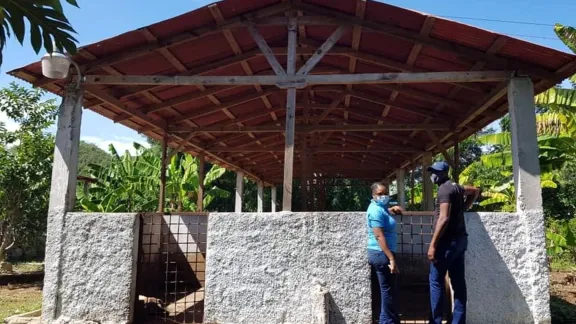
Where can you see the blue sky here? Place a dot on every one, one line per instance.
(118, 16)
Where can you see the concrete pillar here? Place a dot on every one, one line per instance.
(428, 186)
(239, 191)
(260, 197)
(529, 194)
(401, 187)
(273, 199)
(62, 195)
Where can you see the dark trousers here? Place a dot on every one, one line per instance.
(383, 289)
(450, 258)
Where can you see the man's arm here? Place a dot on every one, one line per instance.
(441, 224)
(471, 194)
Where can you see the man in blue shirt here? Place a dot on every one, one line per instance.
(381, 248)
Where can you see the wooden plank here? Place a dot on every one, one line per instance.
(413, 36)
(200, 194)
(177, 39)
(290, 116)
(301, 81)
(328, 111)
(107, 98)
(324, 128)
(442, 148)
(319, 54)
(302, 151)
(261, 42)
(163, 162)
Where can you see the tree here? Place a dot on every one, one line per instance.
(91, 154)
(49, 27)
(132, 183)
(25, 166)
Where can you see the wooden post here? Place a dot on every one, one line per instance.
(456, 170)
(401, 187)
(412, 189)
(290, 117)
(260, 207)
(62, 194)
(201, 167)
(273, 199)
(305, 172)
(239, 191)
(162, 197)
(428, 199)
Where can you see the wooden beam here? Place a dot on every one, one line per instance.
(323, 128)
(338, 149)
(413, 36)
(177, 39)
(290, 116)
(328, 111)
(319, 54)
(261, 42)
(116, 103)
(200, 193)
(456, 168)
(301, 81)
(442, 148)
(163, 162)
(200, 112)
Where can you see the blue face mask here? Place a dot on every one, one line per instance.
(382, 201)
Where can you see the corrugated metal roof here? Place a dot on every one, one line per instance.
(392, 39)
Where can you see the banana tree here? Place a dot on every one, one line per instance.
(131, 183)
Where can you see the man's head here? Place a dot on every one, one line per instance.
(380, 193)
(439, 172)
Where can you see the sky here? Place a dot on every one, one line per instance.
(119, 16)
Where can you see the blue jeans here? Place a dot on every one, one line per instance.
(385, 288)
(450, 258)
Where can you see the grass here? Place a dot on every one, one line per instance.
(19, 299)
(23, 267)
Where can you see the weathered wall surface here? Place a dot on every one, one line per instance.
(497, 269)
(97, 266)
(263, 268)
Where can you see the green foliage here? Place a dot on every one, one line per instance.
(49, 26)
(25, 166)
(91, 154)
(132, 183)
(561, 239)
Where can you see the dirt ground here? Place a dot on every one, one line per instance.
(19, 299)
(22, 298)
(563, 297)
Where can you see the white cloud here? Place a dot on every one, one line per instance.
(122, 144)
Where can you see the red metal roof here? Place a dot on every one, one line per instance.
(391, 39)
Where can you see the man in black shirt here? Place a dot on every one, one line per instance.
(449, 242)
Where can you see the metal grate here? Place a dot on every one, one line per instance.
(171, 268)
(414, 236)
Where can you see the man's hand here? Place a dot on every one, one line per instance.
(432, 254)
(396, 210)
(393, 267)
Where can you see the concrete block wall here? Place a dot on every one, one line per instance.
(263, 268)
(94, 272)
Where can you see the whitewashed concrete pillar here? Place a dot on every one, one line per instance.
(62, 195)
(428, 186)
(529, 194)
(401, 187)
(260, 207)
(239, 191)
(273, 199)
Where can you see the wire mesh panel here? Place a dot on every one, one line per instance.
(171, 269)
(415, 230)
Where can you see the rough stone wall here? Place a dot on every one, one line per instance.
(265, 268)
(497, 269)
(97, 267)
